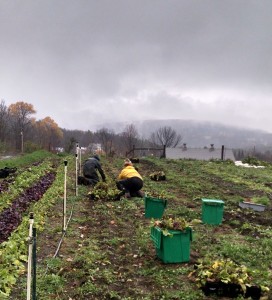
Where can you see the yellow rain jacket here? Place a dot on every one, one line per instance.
(128, 172)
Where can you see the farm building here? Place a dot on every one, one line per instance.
(205, 153)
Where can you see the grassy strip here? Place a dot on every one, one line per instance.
(252, 178)
(204, 179)
(26, 159)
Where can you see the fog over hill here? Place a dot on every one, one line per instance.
(201, 134)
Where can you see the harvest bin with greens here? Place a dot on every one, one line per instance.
(172, 237)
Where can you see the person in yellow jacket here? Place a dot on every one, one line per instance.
(130, 181)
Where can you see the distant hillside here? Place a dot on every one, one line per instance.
(200, 134)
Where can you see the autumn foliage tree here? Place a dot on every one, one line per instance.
(48, 133)
(20, 116)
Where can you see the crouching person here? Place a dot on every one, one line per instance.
(130, 181)
(91, 168)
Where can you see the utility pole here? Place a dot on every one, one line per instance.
(22, 141)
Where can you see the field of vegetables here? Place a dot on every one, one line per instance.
(107, 252)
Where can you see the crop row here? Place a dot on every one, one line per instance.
(11, 217)
(24, 181)
(13, 252)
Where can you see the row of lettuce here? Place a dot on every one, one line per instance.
(13, 251)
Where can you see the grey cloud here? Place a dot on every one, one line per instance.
(94, 61)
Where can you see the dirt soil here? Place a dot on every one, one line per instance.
(111, 232)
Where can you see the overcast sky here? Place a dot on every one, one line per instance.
(85, 62)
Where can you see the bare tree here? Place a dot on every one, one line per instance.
(105, 138)
(166, 136)
(3, 121)
(130, 136)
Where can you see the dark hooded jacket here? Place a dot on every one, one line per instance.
(90, 167)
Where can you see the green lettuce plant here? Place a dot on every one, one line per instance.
(222, 270)
(166, 224)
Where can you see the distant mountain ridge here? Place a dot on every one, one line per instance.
(203, 133)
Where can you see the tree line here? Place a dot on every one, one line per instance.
(20, 131)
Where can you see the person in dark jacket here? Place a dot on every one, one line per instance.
(90, 174)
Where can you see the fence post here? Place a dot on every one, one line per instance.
(222, 152)
(77, 152)
(30, 248)
(76, 174)
(34, 264)
(79, 166)
(64, 196)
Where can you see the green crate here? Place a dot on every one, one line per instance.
(212, 211)
(174, 248)
(154, 207)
